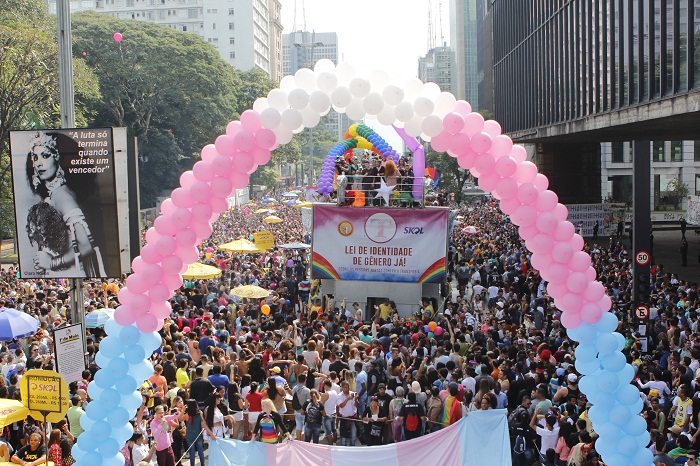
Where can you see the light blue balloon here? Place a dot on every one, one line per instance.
(636, 426)
(643, 456)
(643, 439)
(636, 408)
(132, 401)
(604, 401)
(606, 343)
(108, 448)
(129, 335)
(118, 367)
(150, 342)
(116, 460)
(104, 379)
(101, 360)
(111, 347)
(110, 399)
(122, 433)
(126, 385)
(94, 390)
(627, 394)
(614, 362)
(587, 367)
(616, 459)
(620, 341)
(141, 371)
(620, 415)
(94, 411)
(608, 381)
(606, 444)
(627, 445)
(77, 452)
(101, 431)
(134, 354)
(583, 333)
(586, 352)
(117, 417)
(87, 442)
(587, 384)
(598, 416)
(92, 457)
(112, 327)
(626, 374)
(86, 423)
(607, 323)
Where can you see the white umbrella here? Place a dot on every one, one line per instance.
(471, 230)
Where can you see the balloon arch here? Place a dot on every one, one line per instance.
(420, 110)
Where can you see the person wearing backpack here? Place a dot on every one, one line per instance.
(413, 417)
(313, 412)
(518, 428)
(375, 377)
(300, 395)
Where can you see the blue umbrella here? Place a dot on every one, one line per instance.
(16, 324)
(292, 202)
(98, 318)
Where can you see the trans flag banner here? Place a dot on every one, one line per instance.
(374, 244)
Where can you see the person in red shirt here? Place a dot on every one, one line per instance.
(254, 398)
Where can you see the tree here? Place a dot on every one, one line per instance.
(452, 177)
(676, 192)
(170, 89)
(29, 89)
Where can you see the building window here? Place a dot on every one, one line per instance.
(697, 185)
(213, 25)
(658, 152)
(230, 11)
(232, 54)
(676, 151)
(232, 40)
(617, 152)
(230, 26)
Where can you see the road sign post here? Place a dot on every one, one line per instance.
(641, 240)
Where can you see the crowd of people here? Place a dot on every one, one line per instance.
(300, 365)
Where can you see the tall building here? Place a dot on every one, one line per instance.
(247, 33)
(436, 67)
(302, 49)
(464, 42)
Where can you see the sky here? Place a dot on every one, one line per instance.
(373, 34)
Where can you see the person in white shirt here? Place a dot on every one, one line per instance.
(329, 398)
(347, 410)
(140, 451)
(549, 433)
(469, 382)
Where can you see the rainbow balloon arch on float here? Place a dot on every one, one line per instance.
(418, 110)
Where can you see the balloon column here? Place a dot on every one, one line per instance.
(421, 110)
(376, 140)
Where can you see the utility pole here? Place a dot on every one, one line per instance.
(65, 79)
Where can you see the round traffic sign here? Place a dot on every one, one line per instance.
(642, 258)
(641, 311)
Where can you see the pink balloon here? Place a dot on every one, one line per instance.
(117, 37)
(150, 255)
(250, 120)
(488, 181)
(501, 145)
(526, 172)
(265, 138)
(152, 235)
(540, 261)
(541, 182)
(260, 156)
(214, 217)
(459, 144)
(594, 291)
(453, 123)
(506, 166)
(571, 319)
(136, 283)
(125, 295)
(242, 161)
(137, 265)
(200, 191)
(473, 124)
(541, 243)
(159, 292)
(557, 290)
(466, 161)
(562, 252)
(166, 245)
(571, 302)
(546, 222)
(591, 313)
(492, 128)
(201, 212)
(147, 323)
(484, 163)
(508, 206)
(240, 180)
(221, 187)
(591, 274)
(164, 225)
(181, 197)
(140, 304)
(527, 232)
(565, 231)
(181, 216)
(577, 242)
(524, 215)
(218, 204)
(225, 145)
(438, 331)
(527, 193)
(186, 237)
(208, 152)
(167, 207)
(557, 273)
(577, 282)
(244, 140)
(441, 142)
(546, 200)
(463, 107)
(189, 255)
(518, 153)
(233, 128)
(506, 187)
(561, 211)
(172, 281)
(221, 166)
(580, 261)
(204, 171)
(161, 309)
(124, 316)
(187, 178)
(201, 229)
(481, 143)
(172, 264)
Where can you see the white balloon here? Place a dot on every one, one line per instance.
(378, 79)
(298, 98)
(291, 118)
(414, 126)
(327, 81)
(404, 111)
(340, 97)
(345, 72)
(412, 88)
(386, 116)
(423, 106)
(425, 137)
(260, 104)
(324, 65)
(355, 109)
(444, 104)
(287, 83)
(298, 130)
(319, 101)
(270, 118)
(310, 117)
(431, 90)
(359, 87)
(277, 98)
(432, 125)
(393, 95)
(284, 134)
(305, 79)
(374, 103)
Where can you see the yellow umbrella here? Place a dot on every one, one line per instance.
(250, 291)
(199, 271)
(272, 219)
(263, 211)
(303, 205)
(239, 245)
(12, 411)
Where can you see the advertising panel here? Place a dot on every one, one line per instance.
(65, 203)
(694, 210)
(386, 245)
(70, 357)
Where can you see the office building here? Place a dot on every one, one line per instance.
(436, 67)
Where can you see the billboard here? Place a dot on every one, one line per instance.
(386, 245)
(694, 210)
(65, 203)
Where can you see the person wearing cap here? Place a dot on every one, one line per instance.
(682, 408)
(549, 434)
(658, 416)
(571, 388)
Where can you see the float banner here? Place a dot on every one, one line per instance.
(694, 210)
(65, 203)
(385, 245)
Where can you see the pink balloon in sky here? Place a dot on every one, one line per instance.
(118, 37)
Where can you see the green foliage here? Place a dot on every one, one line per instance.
(452, 177)
(676, 192)
(254, 84)
(265, 176)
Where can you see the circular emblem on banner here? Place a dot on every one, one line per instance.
(345, 228)
(380, 228)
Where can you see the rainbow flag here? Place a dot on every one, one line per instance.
(451, 411)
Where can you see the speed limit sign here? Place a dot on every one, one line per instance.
(641, 312)
(642, 258)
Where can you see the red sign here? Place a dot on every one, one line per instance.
(641, 311)
(642, 258)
